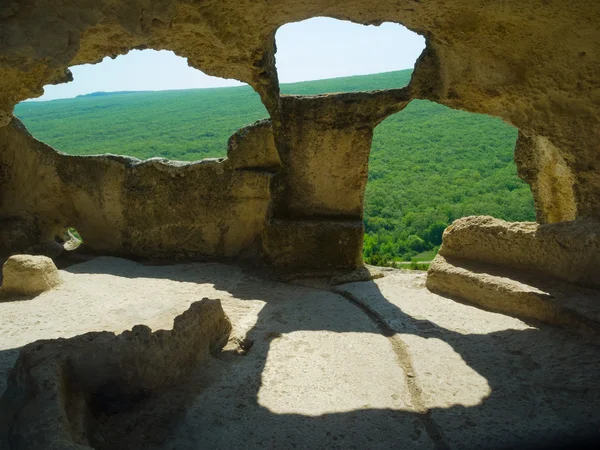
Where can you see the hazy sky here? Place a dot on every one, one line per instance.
(310, 50)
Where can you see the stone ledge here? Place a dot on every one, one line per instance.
(569, 251)
(518, 293)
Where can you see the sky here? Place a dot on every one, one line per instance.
(313, 49)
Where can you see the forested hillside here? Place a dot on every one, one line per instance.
(429, 164)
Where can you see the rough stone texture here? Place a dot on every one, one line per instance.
(569, 250)
(19, 231)
(253, 147)
(120, 205)
(517, 268)
(513, 292)
(212, 208)
(544, 167)
(386, 364)
(58, 389)
(321, 244)
(28, 275)
(324, 143)
(533, 64)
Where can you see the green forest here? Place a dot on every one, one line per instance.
(429, 164)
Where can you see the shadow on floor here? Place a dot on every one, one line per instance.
(544, 390)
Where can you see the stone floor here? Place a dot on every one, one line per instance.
(378, 364)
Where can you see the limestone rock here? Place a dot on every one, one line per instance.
(552, 182)
(57, 385)
(211, 208)
(518, 293)
(534, 67)
(567, 250)
(29, 275)
(324, 142)
(500, 58)
(253, 147)
(524, 269)
(18, 231)
(297, 244)
(150, 209)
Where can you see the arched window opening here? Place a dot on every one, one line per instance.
(71, 239)
(341, 56)
(430, 165)
(143, 104)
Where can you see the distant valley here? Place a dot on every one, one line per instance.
(429, 164)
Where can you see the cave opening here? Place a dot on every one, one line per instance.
(71, 239)
(343, 56)
(143, 104)
(430, 165)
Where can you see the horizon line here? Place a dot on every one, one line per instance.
(31, 100)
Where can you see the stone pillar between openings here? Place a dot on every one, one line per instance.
(317, 198)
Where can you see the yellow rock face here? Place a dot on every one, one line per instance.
(534, 64)
(29, 275)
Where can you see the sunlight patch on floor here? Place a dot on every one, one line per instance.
(444, 377)
(318, 372)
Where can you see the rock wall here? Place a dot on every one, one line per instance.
(568, 251)
(324, 143)
(56, 390)
(534, 63)
(545, 168)
(123, 206)
(546, 272)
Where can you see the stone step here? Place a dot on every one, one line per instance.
(518, 293)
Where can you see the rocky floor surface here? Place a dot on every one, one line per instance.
(377, 364)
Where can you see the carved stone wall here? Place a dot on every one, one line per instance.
(534, 63)
(57, 389)
(123, 206)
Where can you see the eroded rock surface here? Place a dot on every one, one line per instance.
(534, 65)
(57, 389)
(568, 250)
(376, 364)
(120, 205)
(28, 275)
(526, 269)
